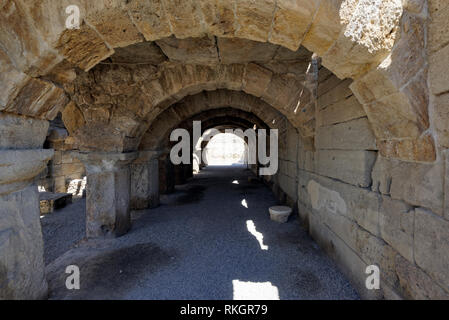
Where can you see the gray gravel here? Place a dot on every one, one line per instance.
(62, 229)
(193, 246)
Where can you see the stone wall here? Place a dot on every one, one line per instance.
(64, 173)
(438, 52)
(369, 172)
(286, 178)
(364, 209)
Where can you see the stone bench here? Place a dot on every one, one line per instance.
(50, 201)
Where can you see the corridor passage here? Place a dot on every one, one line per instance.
(211, 239)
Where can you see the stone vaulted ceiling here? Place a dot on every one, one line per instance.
(201, 45)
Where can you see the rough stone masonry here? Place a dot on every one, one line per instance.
(358, 89)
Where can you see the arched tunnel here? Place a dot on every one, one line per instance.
(350, 91)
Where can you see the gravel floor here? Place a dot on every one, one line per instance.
(201, 243)
(62, 229)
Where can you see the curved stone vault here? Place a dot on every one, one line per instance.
(381, 46)
(354, 87)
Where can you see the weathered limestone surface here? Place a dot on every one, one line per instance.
(421, 149)
(19, 167)
(64, 173)
(431, 246)
(395, 95)
(108, 193)
(21, 132)
(353, 37)
(22, 273)
(441, 119)
(358, 228)
(191, 50)
(331, 197)
(446, 185)
(342, 111)
(416, 284)
(98, 116)
(145, 181)
(438, 26)
(353, 167)
(49, 202)
(350, 262)
(415, 183)
(288, 185)
(203, 106)
(438, 64)
(396, 224)
(351, 135)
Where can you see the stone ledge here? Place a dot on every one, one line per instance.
(50, 202)
(19, 167)
(99, 156)
(147, 155)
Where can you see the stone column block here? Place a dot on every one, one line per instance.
(108, 193)
(22, 269)
(145, 181)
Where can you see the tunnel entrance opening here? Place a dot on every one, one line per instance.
(226, 149)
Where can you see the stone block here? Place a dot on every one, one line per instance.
(375, 251)
(431, 246)
(396, 223)
(49, 202)
(108, 203)
(145, 185)
(115, 26)
(353, 167)
(288, 185)
(352, 135)
(185, 18)
(328, 84)
(19, 167)
(346, 258)
(421, 149)
(415, 183)
(236, 50)
(83, 47)
(416, 284)
(446, 185)
(151, 19)
(339, 93)
(439, 71)
(441, 119)
(19, 132)
(254, 19)
(290, 22)
(108, 193)
(438, 29)
(191, 50)
(22, 266)
(330, 198)
(325, 28)
(341, 111)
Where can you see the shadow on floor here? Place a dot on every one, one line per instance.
(211, 239)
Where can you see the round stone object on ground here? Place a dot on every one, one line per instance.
(280, 213)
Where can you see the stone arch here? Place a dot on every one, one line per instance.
(344, 26)
(207, 104)
(219, 118)
(283, 92)
(381, 46)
